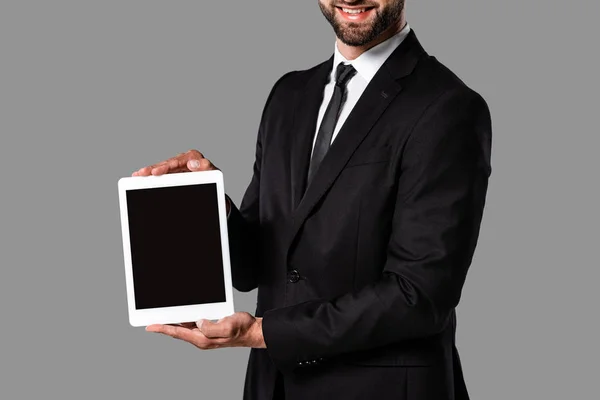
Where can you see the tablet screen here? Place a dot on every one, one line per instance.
(175, 246)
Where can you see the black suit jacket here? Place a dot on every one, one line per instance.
(363, 269)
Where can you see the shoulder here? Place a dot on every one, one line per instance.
(440, 85)
(453, 115)
(294, 81)
(287, 89)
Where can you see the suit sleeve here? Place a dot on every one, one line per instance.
(243, 223)
(440, 197)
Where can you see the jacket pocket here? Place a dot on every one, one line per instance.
(372, 156)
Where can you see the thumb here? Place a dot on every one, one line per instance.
(202, 164)
(213, 330)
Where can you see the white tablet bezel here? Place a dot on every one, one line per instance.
(170, 315)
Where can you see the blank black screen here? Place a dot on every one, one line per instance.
(175, 246)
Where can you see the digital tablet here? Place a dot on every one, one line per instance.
(176, 247)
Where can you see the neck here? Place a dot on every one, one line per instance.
(352, 52)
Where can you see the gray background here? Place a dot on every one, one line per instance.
(90, 91)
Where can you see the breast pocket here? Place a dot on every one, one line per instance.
(372, 156)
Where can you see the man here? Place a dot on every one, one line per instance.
(359, 223)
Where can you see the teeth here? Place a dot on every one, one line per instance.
(353, 11)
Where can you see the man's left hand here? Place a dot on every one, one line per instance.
(238, 330)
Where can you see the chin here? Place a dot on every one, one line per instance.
(353, 36)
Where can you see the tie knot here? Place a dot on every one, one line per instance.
(343, 73)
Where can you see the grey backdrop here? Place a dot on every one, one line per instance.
(91, 90)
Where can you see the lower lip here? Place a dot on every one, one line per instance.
(355, 17)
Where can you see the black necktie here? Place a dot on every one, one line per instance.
(343, 74)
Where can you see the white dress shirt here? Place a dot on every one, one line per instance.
(366, 65)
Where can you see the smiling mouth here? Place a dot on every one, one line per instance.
(354, 10)
(355, 14)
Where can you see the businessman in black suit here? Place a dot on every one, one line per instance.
(360, 221)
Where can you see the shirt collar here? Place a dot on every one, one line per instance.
(369, 62)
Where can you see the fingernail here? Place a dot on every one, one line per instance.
(194, 163)
(199, 324)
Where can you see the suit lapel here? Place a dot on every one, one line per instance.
(378, 95)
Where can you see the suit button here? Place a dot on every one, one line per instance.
(293, 276)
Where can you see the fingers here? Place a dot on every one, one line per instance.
(175, 164)
(170, 165)
(177, 332)
(192, 336)
(192, 160)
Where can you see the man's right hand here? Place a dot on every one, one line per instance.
(190, 161)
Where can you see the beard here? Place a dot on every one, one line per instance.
(359, 34)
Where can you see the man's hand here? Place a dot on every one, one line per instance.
(238, 330)
(190, 161)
